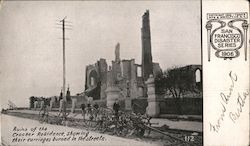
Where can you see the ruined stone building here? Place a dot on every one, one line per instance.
(128, 76)
(135, 85)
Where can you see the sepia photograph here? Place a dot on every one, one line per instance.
(101, 73)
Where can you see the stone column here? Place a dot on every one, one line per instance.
(61, 105)
(90, 100)
(52, 100)
(113, 93)
(73, 105)
(128, 105)
(140, 91)
(35, 104)
(41, 104)
(153, 108)
(128, 99)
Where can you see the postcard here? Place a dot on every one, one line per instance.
(108, 73)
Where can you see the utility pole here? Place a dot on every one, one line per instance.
(64, 67)
(64, 26)
(62, 22)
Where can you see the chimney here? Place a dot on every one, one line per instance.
(147, 64)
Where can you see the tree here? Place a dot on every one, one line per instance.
(177, 81)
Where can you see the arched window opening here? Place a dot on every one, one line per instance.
(92, 78)
(198, 75)
(139, 72)
(92, 81)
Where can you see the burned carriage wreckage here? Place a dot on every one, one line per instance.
(134, 87)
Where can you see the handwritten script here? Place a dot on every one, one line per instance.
(235, 113)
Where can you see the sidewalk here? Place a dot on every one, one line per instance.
(189, 117)
(179, 125)
(195, 126)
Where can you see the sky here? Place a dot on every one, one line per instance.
(31, 44)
